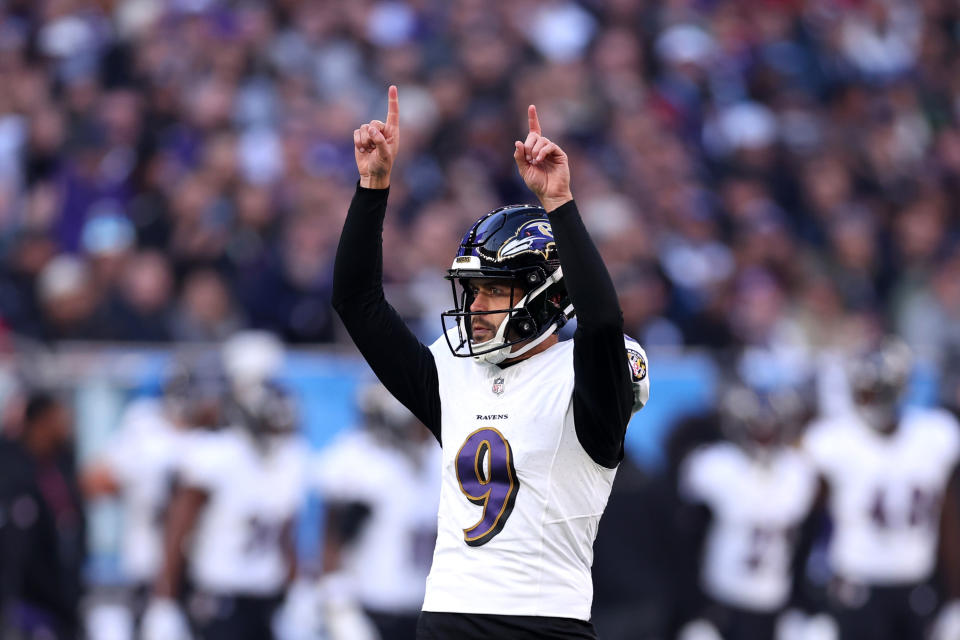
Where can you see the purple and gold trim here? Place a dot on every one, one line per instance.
(486, 476)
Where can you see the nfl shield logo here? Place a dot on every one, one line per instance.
(498, 386)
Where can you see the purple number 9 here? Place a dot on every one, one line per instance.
(487, 477)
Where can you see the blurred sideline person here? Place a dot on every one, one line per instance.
(42, 527)
(229, 528)
(891, 477)
(531, 428)
(757, 492)
(139, 464)
(381, 488)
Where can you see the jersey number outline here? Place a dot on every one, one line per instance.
(764, 541)
(261, 536)
(922, 511)
(485, 473)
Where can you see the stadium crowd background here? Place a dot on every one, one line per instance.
(774, 178)
(754, 172)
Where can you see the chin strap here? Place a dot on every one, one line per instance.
(506, 353)
(498, 356)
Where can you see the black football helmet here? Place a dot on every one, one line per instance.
(515, 244)
(761, 420)
(272, 412)
(878, 378)
(384, 416)
(195, 390)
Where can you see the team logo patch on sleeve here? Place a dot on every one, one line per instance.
(638, 365)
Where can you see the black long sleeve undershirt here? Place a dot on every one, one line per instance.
(602, 394)
(404, 365)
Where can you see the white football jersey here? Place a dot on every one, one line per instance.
(520, 498)
(757, 510)
(142, 455)
(387, 564)
(885, 493)
(253, 493)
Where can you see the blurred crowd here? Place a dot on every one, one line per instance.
(755, 172)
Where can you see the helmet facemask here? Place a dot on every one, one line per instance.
(761, 422)
(532, 315)
(878, 380)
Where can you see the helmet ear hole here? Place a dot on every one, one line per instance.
(524, 327)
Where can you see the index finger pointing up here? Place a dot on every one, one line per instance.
(533, 119)
(393, 108)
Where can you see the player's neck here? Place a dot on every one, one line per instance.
(540, 348)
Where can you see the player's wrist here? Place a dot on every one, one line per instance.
(372, 181)
(554, 202)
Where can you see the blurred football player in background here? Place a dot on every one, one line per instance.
(139, 464)
(230, 522)
(891, 478)
(42, 526)
(381, 488)
(757, 491)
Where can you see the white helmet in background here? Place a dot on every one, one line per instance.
(251, 359)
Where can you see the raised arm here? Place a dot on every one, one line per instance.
(404, 365)
(602, 397)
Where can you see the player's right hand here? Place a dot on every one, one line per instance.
(375, 145)
(163, 620)
(300, 617)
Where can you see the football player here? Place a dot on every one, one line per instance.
(531, 428)
(230, 524)
(757, 491)
(381, 487)
(139, 464)
(891, 476)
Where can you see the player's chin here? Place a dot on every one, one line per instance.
(481, 335)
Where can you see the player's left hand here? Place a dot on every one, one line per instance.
(543, 165)
(343, 618)
(300, 616)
